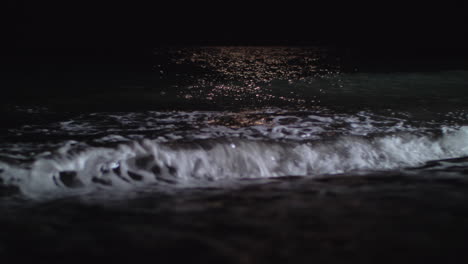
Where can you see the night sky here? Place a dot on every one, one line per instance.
(85, 25)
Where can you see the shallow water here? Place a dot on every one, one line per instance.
(234, 151)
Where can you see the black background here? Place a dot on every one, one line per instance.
(116, 25)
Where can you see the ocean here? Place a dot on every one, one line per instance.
(236, 155)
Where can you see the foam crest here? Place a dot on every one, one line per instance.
(140, 163)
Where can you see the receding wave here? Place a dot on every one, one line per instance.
(147, 162)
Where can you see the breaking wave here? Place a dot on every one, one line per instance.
(148, 162)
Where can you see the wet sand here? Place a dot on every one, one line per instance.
(369, 219)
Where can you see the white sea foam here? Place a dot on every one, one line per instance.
(139, 163)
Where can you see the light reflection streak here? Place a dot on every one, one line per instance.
(245, 73)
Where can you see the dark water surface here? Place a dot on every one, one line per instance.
(235, 154)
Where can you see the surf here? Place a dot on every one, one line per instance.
(139, 163)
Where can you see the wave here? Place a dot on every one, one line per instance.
(147, 162)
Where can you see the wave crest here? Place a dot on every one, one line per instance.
(139, 163)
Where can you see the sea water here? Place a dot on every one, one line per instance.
(219, 134)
